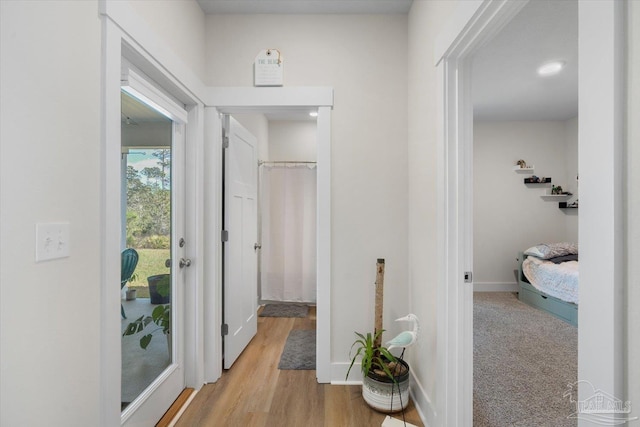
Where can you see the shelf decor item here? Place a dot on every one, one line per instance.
(556, 189)
(537, 180)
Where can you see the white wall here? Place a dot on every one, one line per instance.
(426, 19)
(181, 26)
(364, 58)
(50, 312)
(50, 171)
(632, 152)
(292, 140)
(510, 216)
(572, 218)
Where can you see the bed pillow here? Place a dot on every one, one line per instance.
(552, 250)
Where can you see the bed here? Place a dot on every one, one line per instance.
(548, 279)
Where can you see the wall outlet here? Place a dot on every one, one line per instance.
(52, 241)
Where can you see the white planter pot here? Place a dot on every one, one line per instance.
(383, 395)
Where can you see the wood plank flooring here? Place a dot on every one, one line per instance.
(255, 393)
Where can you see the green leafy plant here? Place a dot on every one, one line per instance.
(160, 317)
(373, 359)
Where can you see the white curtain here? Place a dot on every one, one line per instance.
(288, 220)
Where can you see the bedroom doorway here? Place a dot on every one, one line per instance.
(539, 129)
(600, 88)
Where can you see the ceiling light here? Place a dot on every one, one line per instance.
(550, 68)
(313, 114)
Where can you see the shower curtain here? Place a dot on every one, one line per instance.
(288, 238)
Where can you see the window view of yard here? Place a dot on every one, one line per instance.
(149, 214)
(150, 263)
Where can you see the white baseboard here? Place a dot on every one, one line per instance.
(495, 287)
(421, 400)
(339, 373)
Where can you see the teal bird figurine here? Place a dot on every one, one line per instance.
(406, 338)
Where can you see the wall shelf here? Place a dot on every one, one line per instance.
(528, 169)
(563, 205)
(534, 181)
(556, 197)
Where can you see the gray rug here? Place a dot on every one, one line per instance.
(285, 310)
(299, 350)
(524, 359)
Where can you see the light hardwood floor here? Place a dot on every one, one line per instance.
(254, 393)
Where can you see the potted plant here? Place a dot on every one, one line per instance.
(159, 288)
(385, 382)
(130, 294)
(160, 318)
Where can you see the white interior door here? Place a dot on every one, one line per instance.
(240, 258)
(157, 397)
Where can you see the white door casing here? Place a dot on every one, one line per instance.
(262, 100)
(240, 259)
(119, 46)
(600, 95)
(148, 407)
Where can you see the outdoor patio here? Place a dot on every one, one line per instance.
(139, 366)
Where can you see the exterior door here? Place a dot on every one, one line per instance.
(240, 224)
(166, 347)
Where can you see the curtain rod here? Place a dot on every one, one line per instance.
(262, 162)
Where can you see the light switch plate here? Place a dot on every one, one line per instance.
(52, 241)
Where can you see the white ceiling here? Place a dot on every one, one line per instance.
(505, 84)
(134, 112)
(305, 6)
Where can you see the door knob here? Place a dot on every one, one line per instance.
(184, 262)
(256, 247)
(167, 263)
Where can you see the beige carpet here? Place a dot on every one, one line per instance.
(140, 367)
(524, 359)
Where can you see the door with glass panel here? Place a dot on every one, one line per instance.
(153, 265)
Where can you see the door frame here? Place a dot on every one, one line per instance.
(261, 100)
(119, 46)
(601, 95)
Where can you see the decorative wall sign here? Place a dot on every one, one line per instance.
(268, 68)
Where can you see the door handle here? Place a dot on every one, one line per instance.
(257, 246)
(184, 262)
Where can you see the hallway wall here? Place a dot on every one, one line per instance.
(181, 26)
(51, 346)
(364, 58)
(50, 172)
(426, 19)
(291, 140)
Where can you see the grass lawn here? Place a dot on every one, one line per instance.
(150, 263)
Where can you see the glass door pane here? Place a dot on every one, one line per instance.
(147, 222)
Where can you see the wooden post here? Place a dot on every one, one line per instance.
(379, 298)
